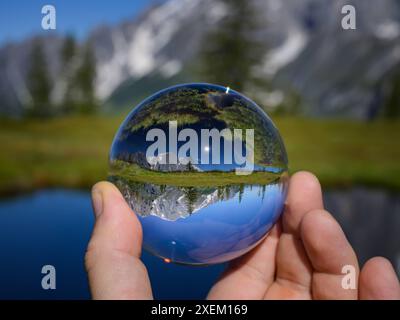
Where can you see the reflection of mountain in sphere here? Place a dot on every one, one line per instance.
(216, 180)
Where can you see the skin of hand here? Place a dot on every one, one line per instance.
(301, 258)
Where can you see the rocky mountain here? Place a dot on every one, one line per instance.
(14, 66)
(169, 202)
(346, 72)
(164, 162)
(336, 71)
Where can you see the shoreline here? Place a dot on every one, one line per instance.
(17, 191)
(55, 154)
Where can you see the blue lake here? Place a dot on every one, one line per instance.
(53, 227)
(218, 231)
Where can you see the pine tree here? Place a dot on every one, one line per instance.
(392, 107)
(84, 82)
(230, 52)
(68, 50)
(39, 83)
(191, 195)
(220, 193)
(190, 166)
(68, 53)
(241, 191)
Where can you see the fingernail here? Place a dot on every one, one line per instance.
(97, 201)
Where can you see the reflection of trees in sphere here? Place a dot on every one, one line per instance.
(204, 169)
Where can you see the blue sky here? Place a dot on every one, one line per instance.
(22, 18)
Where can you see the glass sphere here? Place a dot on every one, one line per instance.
(205, 171)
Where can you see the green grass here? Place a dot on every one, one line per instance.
(133, 172)
(72, 152)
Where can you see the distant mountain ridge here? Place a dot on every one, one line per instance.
(159, 163)
(337, 72)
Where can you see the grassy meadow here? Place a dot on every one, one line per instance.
(133, 172)
(72, 152)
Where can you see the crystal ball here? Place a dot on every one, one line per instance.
(204, 169)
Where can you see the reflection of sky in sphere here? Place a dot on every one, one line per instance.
(217, 232)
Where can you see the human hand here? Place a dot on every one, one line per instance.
(302, 257)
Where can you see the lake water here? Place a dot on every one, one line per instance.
(204, 225)
(54, 226)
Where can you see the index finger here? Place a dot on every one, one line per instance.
(304, 195)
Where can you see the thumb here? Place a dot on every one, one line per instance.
(112, 259)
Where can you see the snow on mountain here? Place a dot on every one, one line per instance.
(337, 72)
(138, 53)
(343, 72)
(388, 30)
(287, 52)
